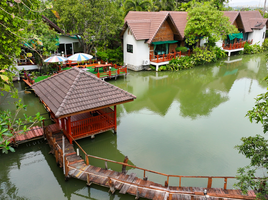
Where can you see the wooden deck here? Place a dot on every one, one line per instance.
(74, 166)
(34, 133)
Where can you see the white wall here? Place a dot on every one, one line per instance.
(257, 36)
(140, 51)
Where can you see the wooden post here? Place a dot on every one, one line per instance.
(87, 162)
(69, 129)
(115, 120)
(56, 156)
(144, 174)
(111, 185)
(63, 154)
(170, 196)
(124, 166)
(66, 169)
(88, 182)
(180, 54)
(225, 183)
(106, 165)
(209, 182)
(180, 182)
(167, 181)
(137, 193)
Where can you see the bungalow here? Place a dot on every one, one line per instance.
(152, 37)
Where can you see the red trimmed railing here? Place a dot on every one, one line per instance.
(164, 57)
(95, 124)
(237, 45)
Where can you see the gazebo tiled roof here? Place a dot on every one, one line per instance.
(76, 91)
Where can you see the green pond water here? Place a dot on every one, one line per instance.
(182, 123)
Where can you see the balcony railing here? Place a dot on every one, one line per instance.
(168, 57)
(164, 57)
(237, 45)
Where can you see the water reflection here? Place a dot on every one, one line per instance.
(185, 123)
(198, 91)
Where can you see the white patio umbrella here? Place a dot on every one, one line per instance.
(78, 57)
(54, 59)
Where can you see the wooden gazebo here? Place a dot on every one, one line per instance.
(81, 104)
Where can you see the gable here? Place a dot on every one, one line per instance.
(164, 33)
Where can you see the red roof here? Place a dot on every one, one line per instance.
(252, 20)
(232, 15)
(153, 20)
(180, 20)
(145, 25)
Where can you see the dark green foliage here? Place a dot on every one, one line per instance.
(219, 53)
(265, 44)
(252, 49)
(184, 62)
(203, 55)
(256, 149)
(111, 55)
(182, 49)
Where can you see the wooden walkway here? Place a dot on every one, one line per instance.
(74, 166)
(34, 133)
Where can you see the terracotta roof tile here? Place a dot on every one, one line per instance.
(140, 28)
(250, 19)
(76, 90)
(232, 15)
(156, 20)
(180, 20)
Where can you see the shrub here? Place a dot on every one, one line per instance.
(184, 62)
(219, 53)
(182, 49)
(265, 44)
(203, 55)
(252, 49)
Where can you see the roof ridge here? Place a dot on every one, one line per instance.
(62, 105)
(104, 82)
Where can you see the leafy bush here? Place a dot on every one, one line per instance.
(152, 67)
(252, 49)
(219, 53)
(182, 49)
(112, 55)
(265, 45)
(203, 55)
(184, 62)
(162, 68)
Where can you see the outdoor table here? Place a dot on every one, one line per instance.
(104, 66)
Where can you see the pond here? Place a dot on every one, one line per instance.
(182, 123)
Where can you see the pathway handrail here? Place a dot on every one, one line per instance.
(209, 185)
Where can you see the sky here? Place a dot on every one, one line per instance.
(246, 3)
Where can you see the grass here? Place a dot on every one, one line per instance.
(40, 78)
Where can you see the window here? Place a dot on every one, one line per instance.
(129, 48)
(161, 49)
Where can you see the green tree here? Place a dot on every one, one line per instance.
(256, 149)
(168, 5)
(137, 5)
(19, 22)
(94, 22)
(204, 20)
